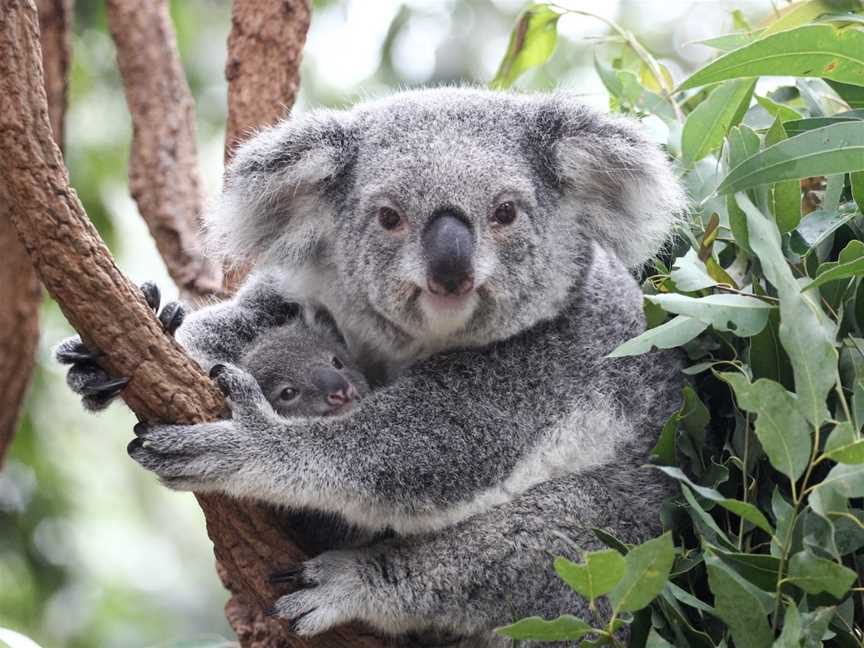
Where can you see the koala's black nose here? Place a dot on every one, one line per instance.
(336, 388)
(448, 243)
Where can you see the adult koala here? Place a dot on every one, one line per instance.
(478, 243)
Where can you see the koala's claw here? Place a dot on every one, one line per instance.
(294, 577)
(152, 295)
(172, 317)
(73, 351)
(104, 390)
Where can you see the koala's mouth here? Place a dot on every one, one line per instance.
(448, 313)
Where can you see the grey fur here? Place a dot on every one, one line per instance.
(506, 434)
(292, 356)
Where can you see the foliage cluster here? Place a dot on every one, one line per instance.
(764, 294)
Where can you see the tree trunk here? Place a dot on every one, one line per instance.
(76, 268)
(164, 175)
(20, 292)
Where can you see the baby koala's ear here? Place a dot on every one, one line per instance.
(322, 319)
(278, 188)
(619, 183)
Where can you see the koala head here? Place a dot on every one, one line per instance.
(457, 214)
(304, 368)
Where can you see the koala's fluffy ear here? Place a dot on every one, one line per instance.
(274, 204)
(618, 181)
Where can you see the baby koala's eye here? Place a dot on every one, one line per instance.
(289, 394)
(505, 214)
(337, 363)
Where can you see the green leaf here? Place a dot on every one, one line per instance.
(793, 633)
(798, 126)
(672, 334)
(815, 575)
(851, 94)
(741, 144)
(808, 51)
(656, 641)
(857, 182)
(784, 514)
(844, 446)
(782, 430)
(838, 148)
(647, 570)
(854, 268)
(740, 604)
(778, 110)
(726, 42)
(703, 521)
(784, 198)
(532, 42)
(690, 274)
(537, 629)
(799, 14)
(767, 357)
(759, 569)
(834, 294)
(739, 508)
(600, 573)
(846, 479)
(802, 323)
(743, 316)
(706, 126)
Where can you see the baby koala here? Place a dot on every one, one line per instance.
(304, 369)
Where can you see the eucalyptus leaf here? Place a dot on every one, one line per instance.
(742, 605)
(739, 508)
(647, 570)
(815, 575)
(531, 44)
(741, 315)
(780, 426)
(565, 627)
(807, 51)
(838, 148)
(600, 573)
(706, 126)
(802, 323)
(673, 333)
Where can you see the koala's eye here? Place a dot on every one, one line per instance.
(289, 394)
(337, 363)
(505, 214)
(390, 219)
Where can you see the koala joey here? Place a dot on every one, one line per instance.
(475, 249)
(304, 369)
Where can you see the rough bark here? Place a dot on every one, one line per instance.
(77, 269)
(20, 293)
(164, 176)
(263, 67)
(265, 47)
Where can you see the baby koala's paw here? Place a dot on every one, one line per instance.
(243, 393)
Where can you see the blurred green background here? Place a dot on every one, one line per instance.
(92, 551)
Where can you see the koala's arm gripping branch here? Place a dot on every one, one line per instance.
(164, 179)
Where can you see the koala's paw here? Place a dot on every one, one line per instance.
(329, 590)
(188, 457)
(87, 378)
(249, 407)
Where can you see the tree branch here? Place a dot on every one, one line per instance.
(263, 67)
(164, 175)
(20, 293)
(78, 271)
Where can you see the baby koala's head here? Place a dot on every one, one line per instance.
(304, 369)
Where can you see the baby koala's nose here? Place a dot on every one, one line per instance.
(333, 384)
